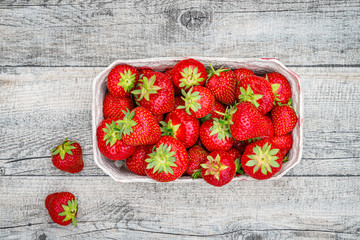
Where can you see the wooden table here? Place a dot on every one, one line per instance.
(52, 49)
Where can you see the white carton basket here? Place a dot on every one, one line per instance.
(117, 169)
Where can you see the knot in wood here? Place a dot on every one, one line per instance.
(195, 19)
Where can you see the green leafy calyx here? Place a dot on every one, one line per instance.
(113, 133)
(168, 129)
(213, 72)
(248, 95)
(125, 126)
(213, 166)
(162, 159)
(127, 80)
(63, 148)
(263, 159)
(220, 127)
(146, 87)
(238, 166)
(70, 211)
(191, 100)
(191, 77)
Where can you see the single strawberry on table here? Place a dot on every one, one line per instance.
(215, 135)
(168, 161)
(156, 93)
(261, 160)
(188, 73)
(281, 87)
(136, 162)
(198, 101)
(284, 119)
(122, 79)
(110, 142)
(62, 208)
(113, 106)
(218, 169)
(68, 157)
(197, 155)
(222, 84)
(181, 126)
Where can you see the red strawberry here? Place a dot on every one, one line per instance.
(68, 157)
(247, 122)
(177, 90)
(136, 163)
(158, 118)
(156, 93)
(179, 102)
(122, 79)
(222, 83)
(215, 135)
(62, 208)
(168, 161)
(281, 87)
(181, 126)
(242, 72)
(284, 143)
(139, 127)
(198, 101)
(188, 73)
(218, 169)
(218, 108)
(145, 71)
(197, 155)
(113, 106)
(235, 154)
(258, 91)
(268, 134)
(110, 143)
(240, 145)
(284, 119)
(261, 160)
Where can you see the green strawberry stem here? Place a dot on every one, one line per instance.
(263, 159)
(147, 87)
(70, 211)
(127, 80)
(162, 159)
(113, 133)
(191, 101)
(221, 127)
(239, 169)
(196, 174)
(63, 148)
(191, 77)
(125, 126)
(214, 166)
(168, 129)
(216, 72)
(248, 95)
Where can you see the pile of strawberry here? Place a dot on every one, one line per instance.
(214, 124)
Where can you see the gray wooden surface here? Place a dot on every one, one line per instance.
(51, 50)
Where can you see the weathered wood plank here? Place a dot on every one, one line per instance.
(309, 208)
(92, 33)
(42, 106)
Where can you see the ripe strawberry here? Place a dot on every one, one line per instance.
(62, 208)
(261, 160)
(177, 90)
(235, 154)
(168, 161)
(222, 83)
(284, 119)
(136, 163)
(215, 112)
(122, 79)
(110, 143)
(158, 118)
(113, 106)
(258, 91)
(240, 145)
(242, 72)
(188, 73)
(179, 102)
(198, 101)
(139, 127)
(215, 135)
(156, 93)
(68, 157)
(181, 126)
(247, 122)
(197, 155)
(268, 134)
(281, 87)
(218, 169)
(145, 71)
(283, 142)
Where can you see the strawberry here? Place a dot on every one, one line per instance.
(258, 91)
(247, 122)
(261, 160)
(156, 93)
(181, 126)
(222, 83)
(113, 106)
(179, 101)
(283, 142)
(197, 155)
(284, 119)
(242, 72)
(268, 134)
(110, 143)
(122, 79)
(62, 208)
(215, 112)
(188, 73)
(139, 127)
(218, 169)
(177, 90)
(168, 161)
(145, 71)
(136, 163)
(158, 118)
(68, 157)
(240, 145)
(198, 101)
(215, 135)
(235, 154)
(281, 87)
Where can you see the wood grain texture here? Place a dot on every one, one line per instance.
(94, 33)
(288, 208)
